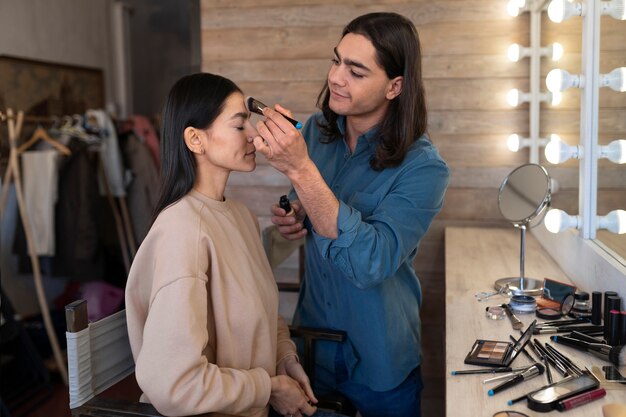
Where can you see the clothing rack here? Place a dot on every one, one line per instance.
(121, 214)
(15, 127)
(15, 122)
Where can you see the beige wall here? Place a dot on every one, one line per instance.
(279, 51)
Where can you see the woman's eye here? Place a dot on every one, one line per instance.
(356, 75)
(240, 128)
(335, 61)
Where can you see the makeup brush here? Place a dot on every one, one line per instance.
(614, 354)
(585, 337)
(532, 371)
(257, 107)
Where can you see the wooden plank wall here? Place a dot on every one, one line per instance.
(279, 52)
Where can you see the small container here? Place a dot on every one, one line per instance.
(615, 319)
(495, 313)
(611, 303)
(606, 309)
(582, 305)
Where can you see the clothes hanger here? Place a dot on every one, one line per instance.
(72, 126)
(41, 133)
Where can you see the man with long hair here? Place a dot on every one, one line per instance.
(367, 183)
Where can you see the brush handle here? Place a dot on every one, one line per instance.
(515, 322)
(585, 337)
(598, 349)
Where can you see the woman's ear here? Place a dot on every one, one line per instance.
(193, 140)
(395, 88)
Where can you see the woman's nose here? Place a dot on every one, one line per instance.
(251, 132)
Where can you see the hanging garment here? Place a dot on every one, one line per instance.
(39, 174)
(110, 152)
(142, 195)
(143, 128)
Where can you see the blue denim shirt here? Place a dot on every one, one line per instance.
(363, 282)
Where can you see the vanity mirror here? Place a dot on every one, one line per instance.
(524, 196)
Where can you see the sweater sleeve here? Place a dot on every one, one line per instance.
(285, 346)
(171, 368)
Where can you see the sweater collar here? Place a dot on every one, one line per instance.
(223, 205)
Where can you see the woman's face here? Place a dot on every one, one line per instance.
(229, 139)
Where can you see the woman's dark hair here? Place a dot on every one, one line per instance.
(398, 52)
(194, 101)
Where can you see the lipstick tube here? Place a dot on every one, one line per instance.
(580, 399)
(596, 307)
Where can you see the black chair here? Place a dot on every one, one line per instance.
(278, 249)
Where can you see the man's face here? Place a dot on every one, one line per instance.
(358, 85)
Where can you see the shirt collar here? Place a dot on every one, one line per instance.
(371, 136)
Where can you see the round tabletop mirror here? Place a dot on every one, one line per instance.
(523, 196)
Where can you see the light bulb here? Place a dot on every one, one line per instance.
(557, 151)
(560, 10)
(560, 80)
(556, 51)
(614, 151)
(555, 98)
(512, 8)
(513, 142)
(515, 97)
(614, 222)
(615, 80)
(614, 8)
(557, 221)
(513, 53)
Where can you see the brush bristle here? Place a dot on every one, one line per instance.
(254, 105)
(617, 355)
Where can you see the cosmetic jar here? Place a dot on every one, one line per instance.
(582, 306)
(523, 304)
(495, 313)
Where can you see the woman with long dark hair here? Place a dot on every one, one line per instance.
(201, 300)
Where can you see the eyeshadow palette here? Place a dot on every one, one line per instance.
(497, 353)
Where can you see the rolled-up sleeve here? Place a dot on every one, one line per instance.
(370, 246)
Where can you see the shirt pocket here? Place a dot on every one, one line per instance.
(365, 203)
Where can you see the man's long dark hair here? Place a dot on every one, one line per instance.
(398, 52)
(194, 101)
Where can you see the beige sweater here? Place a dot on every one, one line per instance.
(202, 310)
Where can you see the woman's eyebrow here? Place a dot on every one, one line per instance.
(244, 115)
(351, 62)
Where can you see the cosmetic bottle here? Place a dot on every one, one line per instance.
(286, 205)
(596, 307)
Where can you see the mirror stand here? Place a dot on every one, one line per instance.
(521, 285)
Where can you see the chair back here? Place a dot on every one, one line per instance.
(98, 353)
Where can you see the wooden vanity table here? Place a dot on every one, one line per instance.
(475, 258)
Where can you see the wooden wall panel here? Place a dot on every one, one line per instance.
(279, 51)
